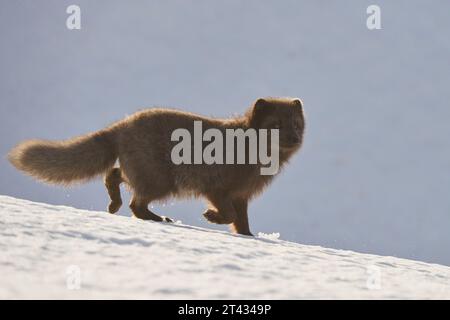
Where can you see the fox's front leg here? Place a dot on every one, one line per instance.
(232, 212)
(240, 224)
(221, 211)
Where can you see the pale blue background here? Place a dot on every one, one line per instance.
(374, 174)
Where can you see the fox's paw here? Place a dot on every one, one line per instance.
(114, 206)
(215, 217)
(166, 219)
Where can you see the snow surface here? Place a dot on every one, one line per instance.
(43, 247)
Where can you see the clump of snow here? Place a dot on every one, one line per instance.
(270, 236)
(59, 252)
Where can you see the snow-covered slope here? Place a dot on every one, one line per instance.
(60, 252)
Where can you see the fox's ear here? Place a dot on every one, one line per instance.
(260, 109)
(260, 103)
(298, 102)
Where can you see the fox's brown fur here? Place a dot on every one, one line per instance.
(142, 145)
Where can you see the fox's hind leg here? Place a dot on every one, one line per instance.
(139, 207)
(147, 178)
(113, 179)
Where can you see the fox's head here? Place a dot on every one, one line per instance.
(285, 114)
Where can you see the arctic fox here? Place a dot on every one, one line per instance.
(143, 143)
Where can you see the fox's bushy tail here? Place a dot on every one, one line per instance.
(69, 161)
